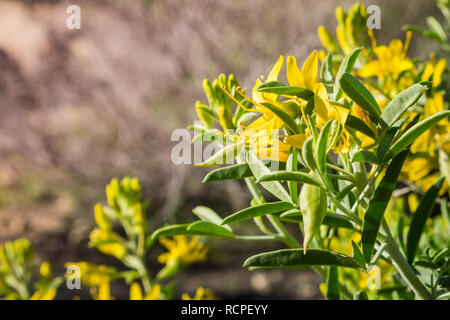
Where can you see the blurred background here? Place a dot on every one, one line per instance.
(78, 107)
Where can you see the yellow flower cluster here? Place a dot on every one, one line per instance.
(182, 251)
(201, 294)
(387, 70)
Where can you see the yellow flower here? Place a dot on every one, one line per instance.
(101, 218)
(45, 270)
(108, 243)
(102, 293)
(359, 113)
(262, 134)
(201, 294)
(44, 294)
(308, 76)
(392, 60)
(136, 293)
(433, 71)
(183, 251)
(93, 275)
(327, 40)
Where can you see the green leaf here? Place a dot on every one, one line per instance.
(296, 259)
(444, 165)
(401, 103)
(387, 140)
(259, 169)
(344, 192)
(441, 255)
(360, 95)
(320, 151)
(224, 155)
(365, 156)
(436, 27)
(182, 229)
(210, 135)
(284, 116)
(233, 172)
(277, 87)
(420, 217)
(209, 215)
(360, 295)
(289, 176)
(210, 229)
(326, 73)
(346, 66)
(257, 211)
(378, 204)
(357, 254)
(357, 124)
(333, 286)
(416, 131)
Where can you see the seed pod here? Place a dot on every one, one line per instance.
(308, 153)
(313, 205)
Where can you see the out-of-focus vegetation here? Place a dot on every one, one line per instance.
(79, 107)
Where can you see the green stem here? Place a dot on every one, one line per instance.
(288, 238)
(331, 166)
(292, 167)
(404, 268)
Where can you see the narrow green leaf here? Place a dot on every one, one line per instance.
(360, 295)
(437, 28)
(401, 103)
(444, 165)
(378, 204)
(289, 176)
(420, 217)
(346, 66)
(296, 259)
(441, 255)
(357, 124)
(333, 286)
(292, 166)
(326, 73)
(400, 232)
(320, 150)
(387, 139)
(284, 116)
(344, 192)
(209, 215)
(257, 211)
(445, 211)
(357, 254)
(259, 169)
(416, 131)
(365, 156)
(233, 172)
(183, 229)
(210, 135)
(277, 87)
(360, 95)
(224, 155)
(210, 229)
